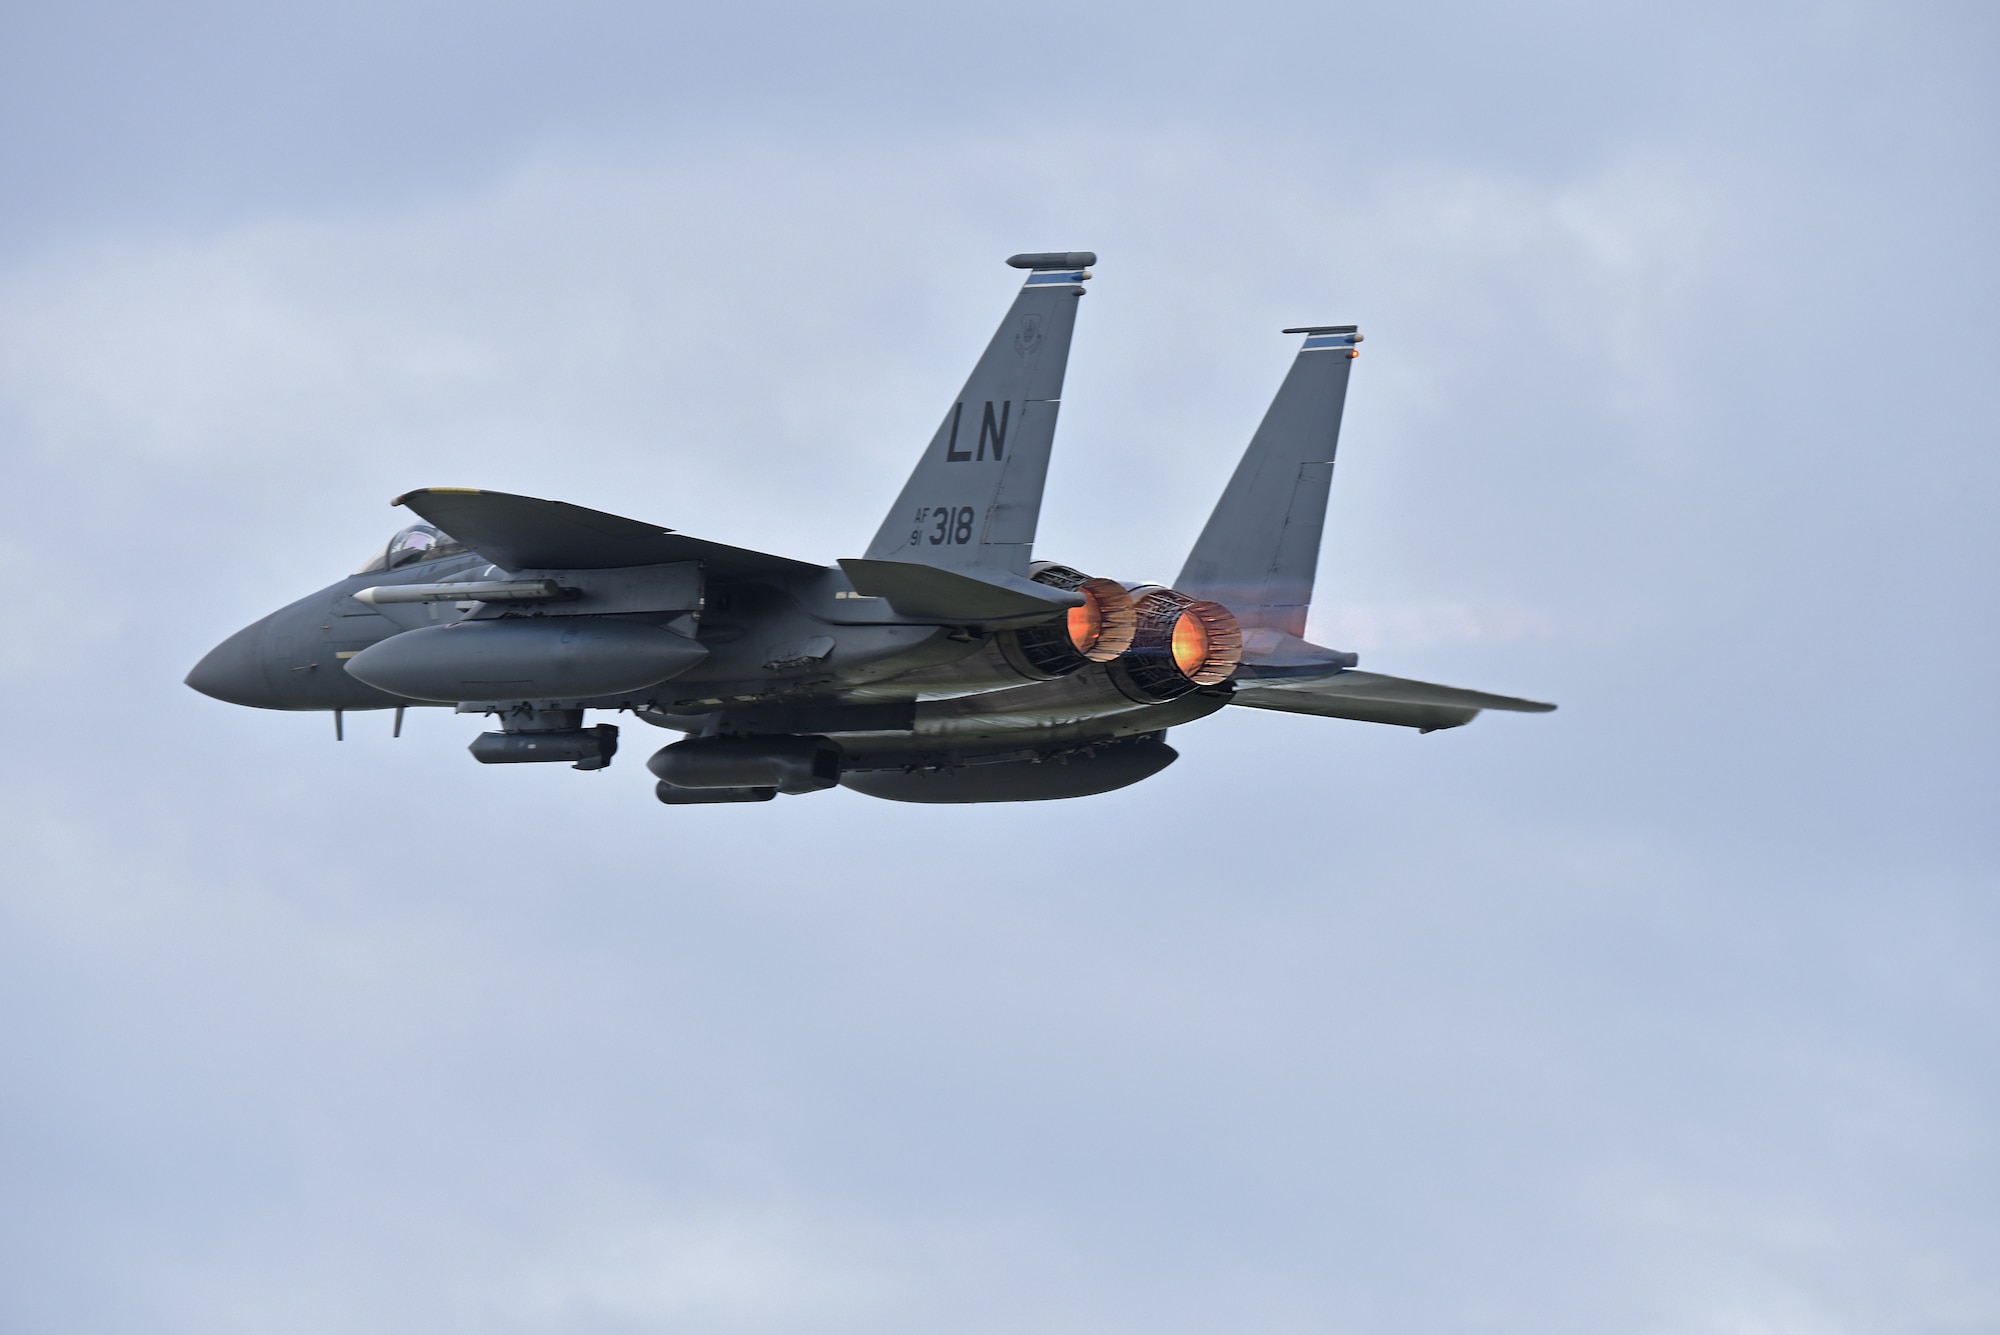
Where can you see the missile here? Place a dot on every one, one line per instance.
(473, 591)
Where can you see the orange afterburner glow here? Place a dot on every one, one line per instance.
(1097, 631)
(1190, 644)
(1086, 623)
(1103, 627)
(1208, 643)
(1183, 643)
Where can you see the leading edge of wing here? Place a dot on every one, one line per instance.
(526, 533)
(1373, 697)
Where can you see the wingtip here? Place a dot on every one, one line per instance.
(404, 499)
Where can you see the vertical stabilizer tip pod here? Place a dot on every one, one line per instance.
(1329, 338)
(1183, 643)
(1053, 259)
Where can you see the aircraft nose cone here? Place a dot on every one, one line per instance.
(233, 671)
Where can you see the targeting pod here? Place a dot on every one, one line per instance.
(587, 748)
(1182, 643)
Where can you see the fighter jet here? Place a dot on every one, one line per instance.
(945, 664)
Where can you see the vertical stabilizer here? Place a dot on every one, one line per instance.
(976, 494)
(1258, 553)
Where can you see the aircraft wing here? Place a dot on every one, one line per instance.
(523, 533)
(1371, 697)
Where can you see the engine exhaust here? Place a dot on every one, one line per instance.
(1182, 644)
(1096, 632)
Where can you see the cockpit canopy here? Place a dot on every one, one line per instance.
(412, 546)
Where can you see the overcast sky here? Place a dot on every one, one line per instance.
(1673, 1013)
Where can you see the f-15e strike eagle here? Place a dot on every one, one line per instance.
(945, 665)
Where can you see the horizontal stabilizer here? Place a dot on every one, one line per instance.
(1371, 697)
(1272, 653)
(928, 593)
(523, 533)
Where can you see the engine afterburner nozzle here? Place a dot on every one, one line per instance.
(1207, 643)
(1096, 631)
(1103, 627)
(1182, 643)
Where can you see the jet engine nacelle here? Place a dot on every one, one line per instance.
(526, 658)
(1096, 632)
(1181, 643)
